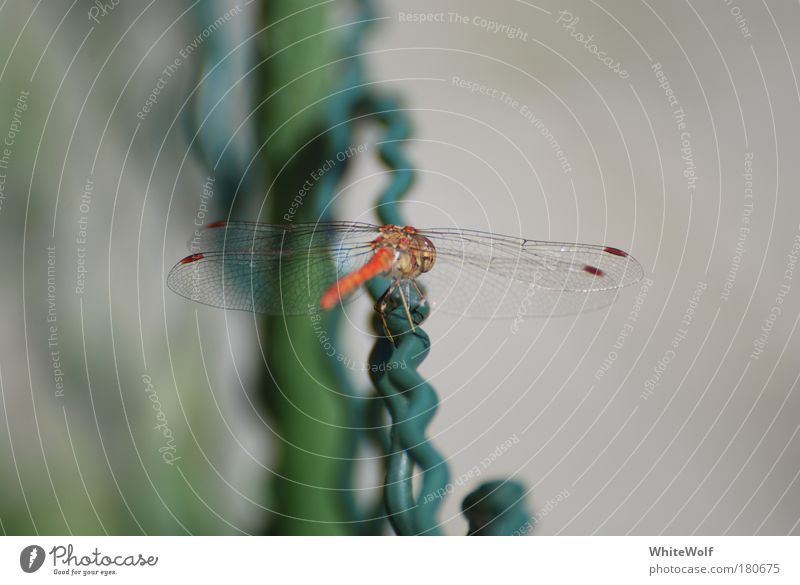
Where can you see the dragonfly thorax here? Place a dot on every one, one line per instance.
(414, 254)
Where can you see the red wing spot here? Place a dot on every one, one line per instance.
(217, 224)
(593, 270)
(192, 258)
(616, 252)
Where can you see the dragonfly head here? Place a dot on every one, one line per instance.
(414, 254)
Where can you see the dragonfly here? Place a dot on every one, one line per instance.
(292, 269)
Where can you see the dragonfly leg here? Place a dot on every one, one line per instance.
(380, 308)
(405, 306)
(422, 298)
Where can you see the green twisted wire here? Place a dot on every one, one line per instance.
(412, 401)
(494, 507)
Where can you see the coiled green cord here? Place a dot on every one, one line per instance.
(411, 401)
(494, 507)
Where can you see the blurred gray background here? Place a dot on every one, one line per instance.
(673, 411)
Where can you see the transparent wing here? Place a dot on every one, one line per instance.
(247, 235)
(270, 269)
(485, 275)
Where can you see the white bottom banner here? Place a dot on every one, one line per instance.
(384, 560)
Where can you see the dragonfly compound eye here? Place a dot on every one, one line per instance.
(425, 253)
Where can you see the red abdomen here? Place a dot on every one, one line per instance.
(380, 262)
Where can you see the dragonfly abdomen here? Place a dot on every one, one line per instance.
(381, 262)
